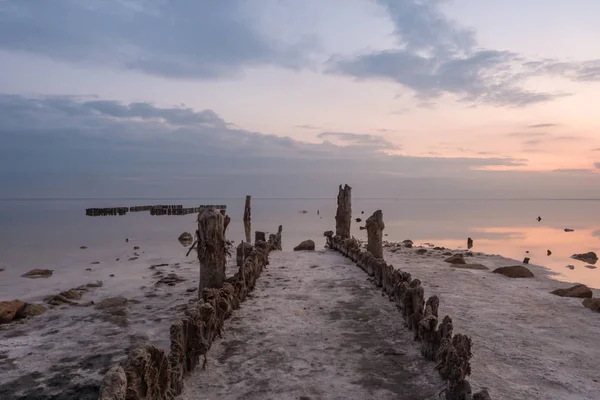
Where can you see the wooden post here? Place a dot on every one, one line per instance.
(343, 216)
(247, 224)
(375, 227)
(211, 249)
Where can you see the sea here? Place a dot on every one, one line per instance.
(48, 233)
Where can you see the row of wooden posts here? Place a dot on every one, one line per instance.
(452, 353)
(162, 209)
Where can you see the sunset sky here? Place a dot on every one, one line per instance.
(288, 98)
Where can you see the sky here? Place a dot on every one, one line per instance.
(288, 98)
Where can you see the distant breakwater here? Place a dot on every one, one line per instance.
(161, 209)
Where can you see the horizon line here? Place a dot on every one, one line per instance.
(299, 198)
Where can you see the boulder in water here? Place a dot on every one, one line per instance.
(514, 271)
(569, 230)
(589, 257)
(305, 245)
(10, 309)
(526, 260)
(186, 237)
(111, 302)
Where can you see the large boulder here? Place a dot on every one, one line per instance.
(456, 259)
(306, 245)
(589, 257)
(580, 291)
(17, 309)
(38, 273)
(514, 271)
(592, 304)
(10, 310)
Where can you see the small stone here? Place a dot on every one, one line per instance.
(526, 260)
(358, 220)
(112, 275)
(571, 267)
(111, 302)
(95, 262)
(136, 247)
(548, 252)
(88, 269)
(83, 247)
(569, 230)
(421, 251)
(132, 258)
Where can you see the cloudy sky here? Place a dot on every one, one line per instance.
(288, 98)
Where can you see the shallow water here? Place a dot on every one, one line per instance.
(48, 233)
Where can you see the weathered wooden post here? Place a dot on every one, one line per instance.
(247, 224)
(343, 217)
(375, 227)
(211, 249)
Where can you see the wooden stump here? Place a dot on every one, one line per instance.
(375, 227)
(343, 217)
(211, 249)
(247, 223)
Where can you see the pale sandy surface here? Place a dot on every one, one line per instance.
(528, 343)
(315, 328)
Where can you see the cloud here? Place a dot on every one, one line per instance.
(362, 139)
(542, 126)
(526, 134)
(308, 126)
(573, 171)
(435, 57)
(183, 39)
(532, 142)
(63, 146)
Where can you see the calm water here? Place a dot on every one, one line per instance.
(48, 233)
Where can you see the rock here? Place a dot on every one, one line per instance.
(88, 269)
(304, 212)
(589, 257)
(126, 240)
(95, 284)
(305, 245)
(95, 262)
(9, 310)
(456, 259)
(571, 267)
(580, 291)
(447, 253)
(117, 259)
(114, 384)
(408, 243)
(136, 247)
(132, 258)
(191, 290)
(482, 395)
(470, 266)
(111, 302)
(33, 310)
(514, 271)
(328, 234)
(526, 260)
(592, 304)
(548, 253)
(83, 247)
(112, 275)
(185, 238)
(569, 230)
(170, 280)
(38, 273)
(362, 228)
(591, 266)
(469, 243)
(358, 220)
(421, 251)
(539, 219)
(1, 269)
